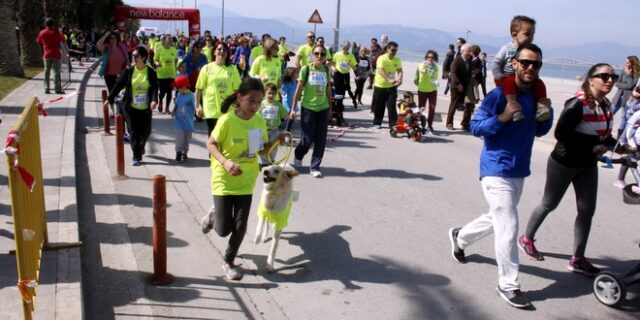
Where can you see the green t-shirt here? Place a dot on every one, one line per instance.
(314, 92)
(305, 52)
(344, 62)
(256, 52)
(152, 43)
(232, 134)
(208, 52)
(389, 67)
(167, 59)
(263, 68)
(216, 83)
(427, 77)
(282, 51)
(272, 113)
(140, 89)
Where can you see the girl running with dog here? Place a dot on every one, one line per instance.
(235, 145)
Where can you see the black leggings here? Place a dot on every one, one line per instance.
(585, 185)
(231, 216)
(165, 89)
(139, 126)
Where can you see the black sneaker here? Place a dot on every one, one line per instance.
(184, 156)
(178, 156)
(456, 252)
(514, 298)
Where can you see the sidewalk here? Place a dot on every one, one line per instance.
(59, 294)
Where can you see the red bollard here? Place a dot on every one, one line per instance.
(160, 276)
(120, 146)
(105, 114)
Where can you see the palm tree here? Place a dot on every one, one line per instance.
(29, 21)
(9, 58)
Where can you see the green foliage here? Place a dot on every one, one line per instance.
(7, 84)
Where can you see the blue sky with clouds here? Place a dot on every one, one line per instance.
(559, 21)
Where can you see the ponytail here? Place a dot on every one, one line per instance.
(247, 85)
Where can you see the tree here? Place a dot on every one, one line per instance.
(9, 58)
(53, 9)
(29, 21)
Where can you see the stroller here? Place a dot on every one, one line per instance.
(610, 289)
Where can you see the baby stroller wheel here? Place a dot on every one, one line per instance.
(394, 132)
(608, 289)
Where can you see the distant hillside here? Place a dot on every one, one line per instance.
(413, 41)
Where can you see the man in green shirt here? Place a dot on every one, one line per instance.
(305, 52)
(385, 85)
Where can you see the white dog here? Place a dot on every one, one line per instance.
(275, 205)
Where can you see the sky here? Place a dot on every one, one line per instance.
(560, 22)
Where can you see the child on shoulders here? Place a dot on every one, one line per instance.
(522, 29)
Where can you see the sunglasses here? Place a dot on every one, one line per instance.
(606, 76)
(311, 37)
(526, 63)
(135, 56)
(320, 54)
(393, 50)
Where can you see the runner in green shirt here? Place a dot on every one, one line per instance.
(304, 55)
(166, 59)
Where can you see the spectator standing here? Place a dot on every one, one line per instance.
(625, 84)
(446, 67)
(51, 39)
(387, 80)
(460, 74)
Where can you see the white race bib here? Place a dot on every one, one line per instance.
(391, 76)
(140, 99)
(255, 142)
(363, 63)
(317, 78)
(344, 66)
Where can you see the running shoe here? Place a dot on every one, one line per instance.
(456, 252)
(529, 248)
(514, 298)
(231, 271)
(582, 265)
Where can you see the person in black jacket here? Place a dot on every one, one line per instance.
(446, 67)
(460, 75)
(583, 132)
(140, 83)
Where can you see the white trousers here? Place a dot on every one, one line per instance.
(503, 195)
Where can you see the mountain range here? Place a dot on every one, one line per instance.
(413, 41)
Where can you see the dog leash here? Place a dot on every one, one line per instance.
(288, 148)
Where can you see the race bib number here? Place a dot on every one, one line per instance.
(363, 63)
(255, 142)
(140, 99)
(310, 58)
(270, 114)
(391, 76)
(317, 78)
(344, 66)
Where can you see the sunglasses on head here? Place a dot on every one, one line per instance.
(526, 63)
(321, 54)
(606, 76)
(135, 55)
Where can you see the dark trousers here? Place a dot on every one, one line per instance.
(432, 97)
(457, 99)
(483, 85)
(232, 214)
(110, 80)
(385, 98)
(211, 124)
(343, 84)
(359, 88)
(139, 124)
(585, 185)
(314, 132)
(166, 90)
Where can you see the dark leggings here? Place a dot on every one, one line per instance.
(139, 125)
(432, 97)
(585, 185)
(165, 89)
(110, 80)
(359, 88)
(211, 124)
(232, 214)
(384, 98)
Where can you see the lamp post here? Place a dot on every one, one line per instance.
(336, 31)
(222, 24)
(468, 31)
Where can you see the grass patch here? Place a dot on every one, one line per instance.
(8, 84)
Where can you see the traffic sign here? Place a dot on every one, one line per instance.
(315, 17)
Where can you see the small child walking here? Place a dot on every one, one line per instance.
(273, 112)
(289, 84)
(183, 111)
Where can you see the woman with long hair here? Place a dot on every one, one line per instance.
(234, 145)
(583, 133)
(140, 83)
(426, 77)
(626, 83)
(216, 81)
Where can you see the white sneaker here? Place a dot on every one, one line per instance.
(297, 163)
(206, 223)
(316, 174)
(619, 184)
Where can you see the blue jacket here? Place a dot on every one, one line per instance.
(507, 146)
